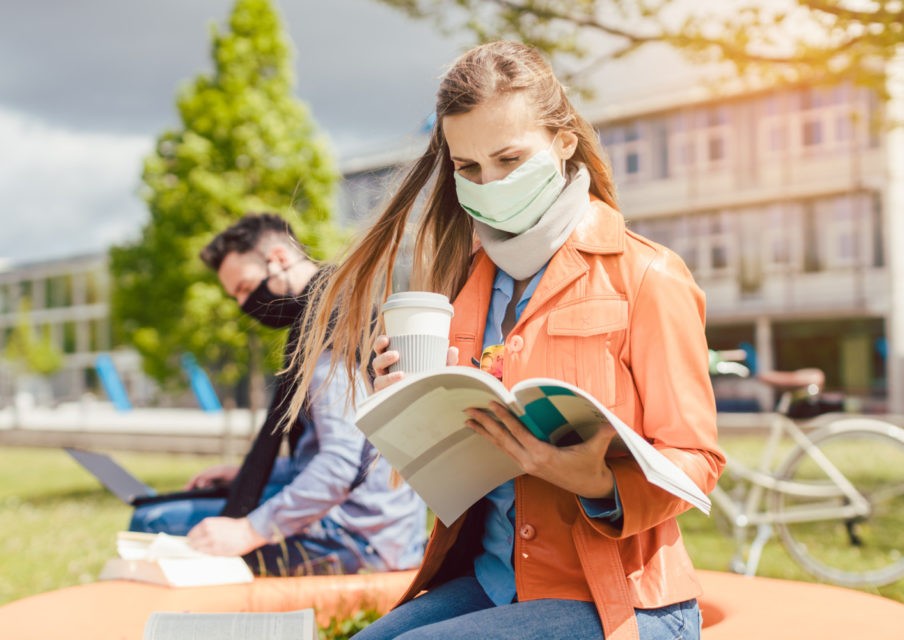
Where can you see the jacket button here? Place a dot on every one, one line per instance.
(527, 532)
(516, 343)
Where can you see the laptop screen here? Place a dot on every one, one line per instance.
(120, 482)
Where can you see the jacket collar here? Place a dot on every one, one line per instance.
(602, 231)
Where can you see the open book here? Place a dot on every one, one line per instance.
(169, 560)
(418, 426)
(282, 625)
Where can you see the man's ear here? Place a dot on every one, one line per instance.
(280, 255)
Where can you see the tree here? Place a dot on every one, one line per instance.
(246, 145)
(818, 41)
(33, 353)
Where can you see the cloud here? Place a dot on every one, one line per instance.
(65, 192)
(86, 86)
(366, 70)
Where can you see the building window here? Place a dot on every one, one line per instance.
(699, 138)
(783, 237)
(659, 230)
(847, 230)
(627, 146)
(812, 120)
(706, 243)
(660, 152)
(70, 339)
(716, 149)
(877, 240)
(812, 133)
(632, 163)
(778, 137)
(715, 136)
(828, 116)
(6, 300)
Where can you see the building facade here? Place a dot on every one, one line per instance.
(783, 205)
(778, 203)
(67, 302)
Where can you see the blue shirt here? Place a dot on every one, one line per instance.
(323, 467)
(493, 566)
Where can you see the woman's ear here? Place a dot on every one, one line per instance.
(567, 143)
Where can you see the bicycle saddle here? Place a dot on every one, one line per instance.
(799, 379)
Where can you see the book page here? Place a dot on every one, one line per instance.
(411, 417)
(290, 625)
(149, 546)
(413, 432)
(418, 425)
(164, 559)
(553, 405)
(460, 475)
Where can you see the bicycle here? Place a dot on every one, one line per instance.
(836, 499)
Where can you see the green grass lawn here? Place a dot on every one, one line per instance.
(58, 526)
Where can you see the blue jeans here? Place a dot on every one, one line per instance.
(461, 609)
(323, 547)
(175, 517)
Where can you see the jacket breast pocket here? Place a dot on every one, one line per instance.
(586, 338)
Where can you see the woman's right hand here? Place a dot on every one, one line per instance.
(382, 362)
(385, 359)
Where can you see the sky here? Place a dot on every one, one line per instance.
(87, 86)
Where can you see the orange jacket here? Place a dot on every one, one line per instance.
(622, 318)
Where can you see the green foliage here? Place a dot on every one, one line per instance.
(246, 145)
(345, 629)
(817, 41)
(36, 354)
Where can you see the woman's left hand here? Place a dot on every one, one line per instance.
(580, 469)
(221, 536)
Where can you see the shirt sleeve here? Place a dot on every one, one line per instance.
(603, 508)
(327, 478)
(670, 369)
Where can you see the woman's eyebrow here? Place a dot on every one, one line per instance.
(492, 155)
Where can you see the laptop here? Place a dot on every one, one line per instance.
(127, 487)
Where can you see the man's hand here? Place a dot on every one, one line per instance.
(213, 476)
(580, 468)
(225, 536)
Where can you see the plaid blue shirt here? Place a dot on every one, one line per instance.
(321, 471)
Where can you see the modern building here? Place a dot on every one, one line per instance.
(778, 203)
(784, 204)
(67, 301)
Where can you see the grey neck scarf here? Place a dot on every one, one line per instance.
(522, 255)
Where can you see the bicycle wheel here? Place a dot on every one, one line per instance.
(853, 551)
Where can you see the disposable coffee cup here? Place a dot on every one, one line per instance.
(417, 324)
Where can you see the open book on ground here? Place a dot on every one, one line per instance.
(169, 560)
(418, 426)
(281, 625)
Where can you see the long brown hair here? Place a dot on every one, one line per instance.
(444, 240)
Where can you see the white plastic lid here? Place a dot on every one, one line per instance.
(428, 299)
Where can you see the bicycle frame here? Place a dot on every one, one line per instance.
(752, 511)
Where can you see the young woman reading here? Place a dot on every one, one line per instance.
(521, 230)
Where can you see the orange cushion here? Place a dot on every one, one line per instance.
(734, 607)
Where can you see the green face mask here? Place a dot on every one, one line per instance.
(517, 201)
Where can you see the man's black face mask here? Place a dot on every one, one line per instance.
(276, 311)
